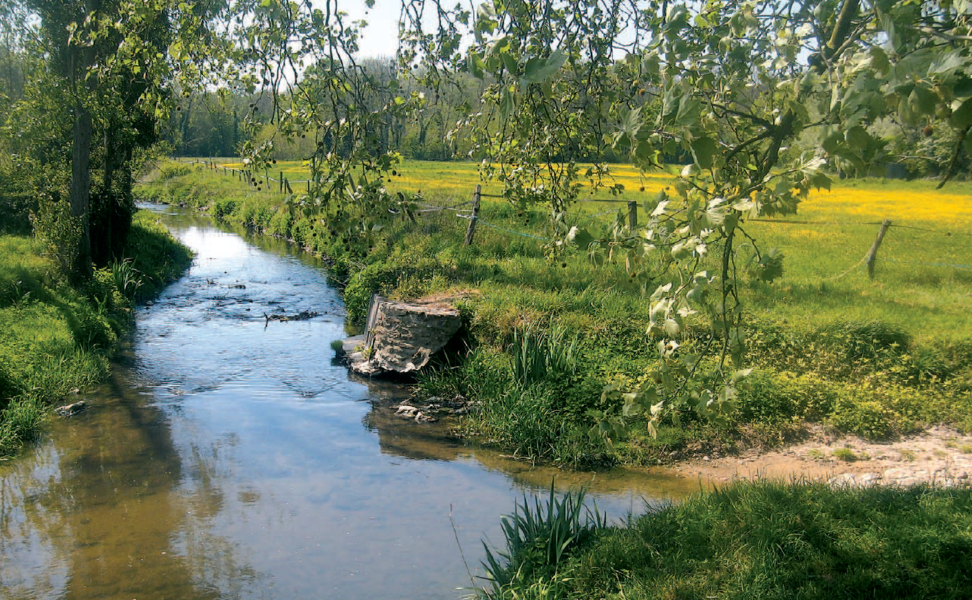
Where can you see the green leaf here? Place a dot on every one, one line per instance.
(538, 70)
(923, 101)
(879, 60)
(857, 137)
(506, 104)
(962, 116)
(509, 61)
(947, 65)
(580, 237)
(962, 88)
(475, 65)
(705, 149)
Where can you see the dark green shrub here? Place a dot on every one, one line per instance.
(772, 397)
(222, 209)
(865, 417)
(866, 339)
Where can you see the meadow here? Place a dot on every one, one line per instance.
(876, 357)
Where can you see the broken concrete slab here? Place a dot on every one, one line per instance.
(401, 337)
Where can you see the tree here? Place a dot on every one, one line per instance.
(102, 83)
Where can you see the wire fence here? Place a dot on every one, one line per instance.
(896, 240)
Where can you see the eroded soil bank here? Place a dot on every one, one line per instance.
(939, 455)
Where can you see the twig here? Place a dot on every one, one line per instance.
(452, 522)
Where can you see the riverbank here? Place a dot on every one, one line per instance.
(57, 340)
(763, 540)
(878, 359)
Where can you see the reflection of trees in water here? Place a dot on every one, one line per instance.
(27, 531)
(97, 511)
(213, 560)
(435, 441)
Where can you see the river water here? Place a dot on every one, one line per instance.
(228, 457)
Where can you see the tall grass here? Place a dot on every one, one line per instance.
(539, 355)
(539, 538)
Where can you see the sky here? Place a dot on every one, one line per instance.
(381, 37)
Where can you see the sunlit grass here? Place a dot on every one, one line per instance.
(774, 540)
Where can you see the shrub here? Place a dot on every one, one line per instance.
(774, 397)
(866, 418)
(222, 209)
(866, 339)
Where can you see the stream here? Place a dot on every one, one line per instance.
(231, 457)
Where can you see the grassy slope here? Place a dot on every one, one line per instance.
(55, 338)
(873, 357)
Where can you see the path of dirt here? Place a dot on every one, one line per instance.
(939, 455)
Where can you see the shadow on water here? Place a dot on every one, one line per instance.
(229, 457)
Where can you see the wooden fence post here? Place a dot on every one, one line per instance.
(872, 255)
(281, 182)
(632, 215)
(471, 230)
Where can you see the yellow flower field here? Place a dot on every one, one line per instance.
(848, 202)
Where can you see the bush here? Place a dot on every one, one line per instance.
(866, 418)
(869, 340)
(771, 397)
(222, 209)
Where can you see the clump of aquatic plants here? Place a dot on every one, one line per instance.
(539, 537)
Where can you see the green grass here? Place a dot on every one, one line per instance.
(848, 455)
(773, 540)
(877, 358)
(56, 338)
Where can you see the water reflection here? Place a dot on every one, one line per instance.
(233, 458)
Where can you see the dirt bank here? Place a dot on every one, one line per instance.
(940, 455)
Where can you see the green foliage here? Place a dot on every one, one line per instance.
(60, 232)
(848, 455)
(539, 538)
(867, 418)
(771, 397)
(222, 209)
(870, 340)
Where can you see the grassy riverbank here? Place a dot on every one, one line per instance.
(753, 540)
(56, 338)
(546, 334)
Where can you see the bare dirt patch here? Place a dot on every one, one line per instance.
(940, 455)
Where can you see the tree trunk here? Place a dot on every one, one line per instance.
(81, 188)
